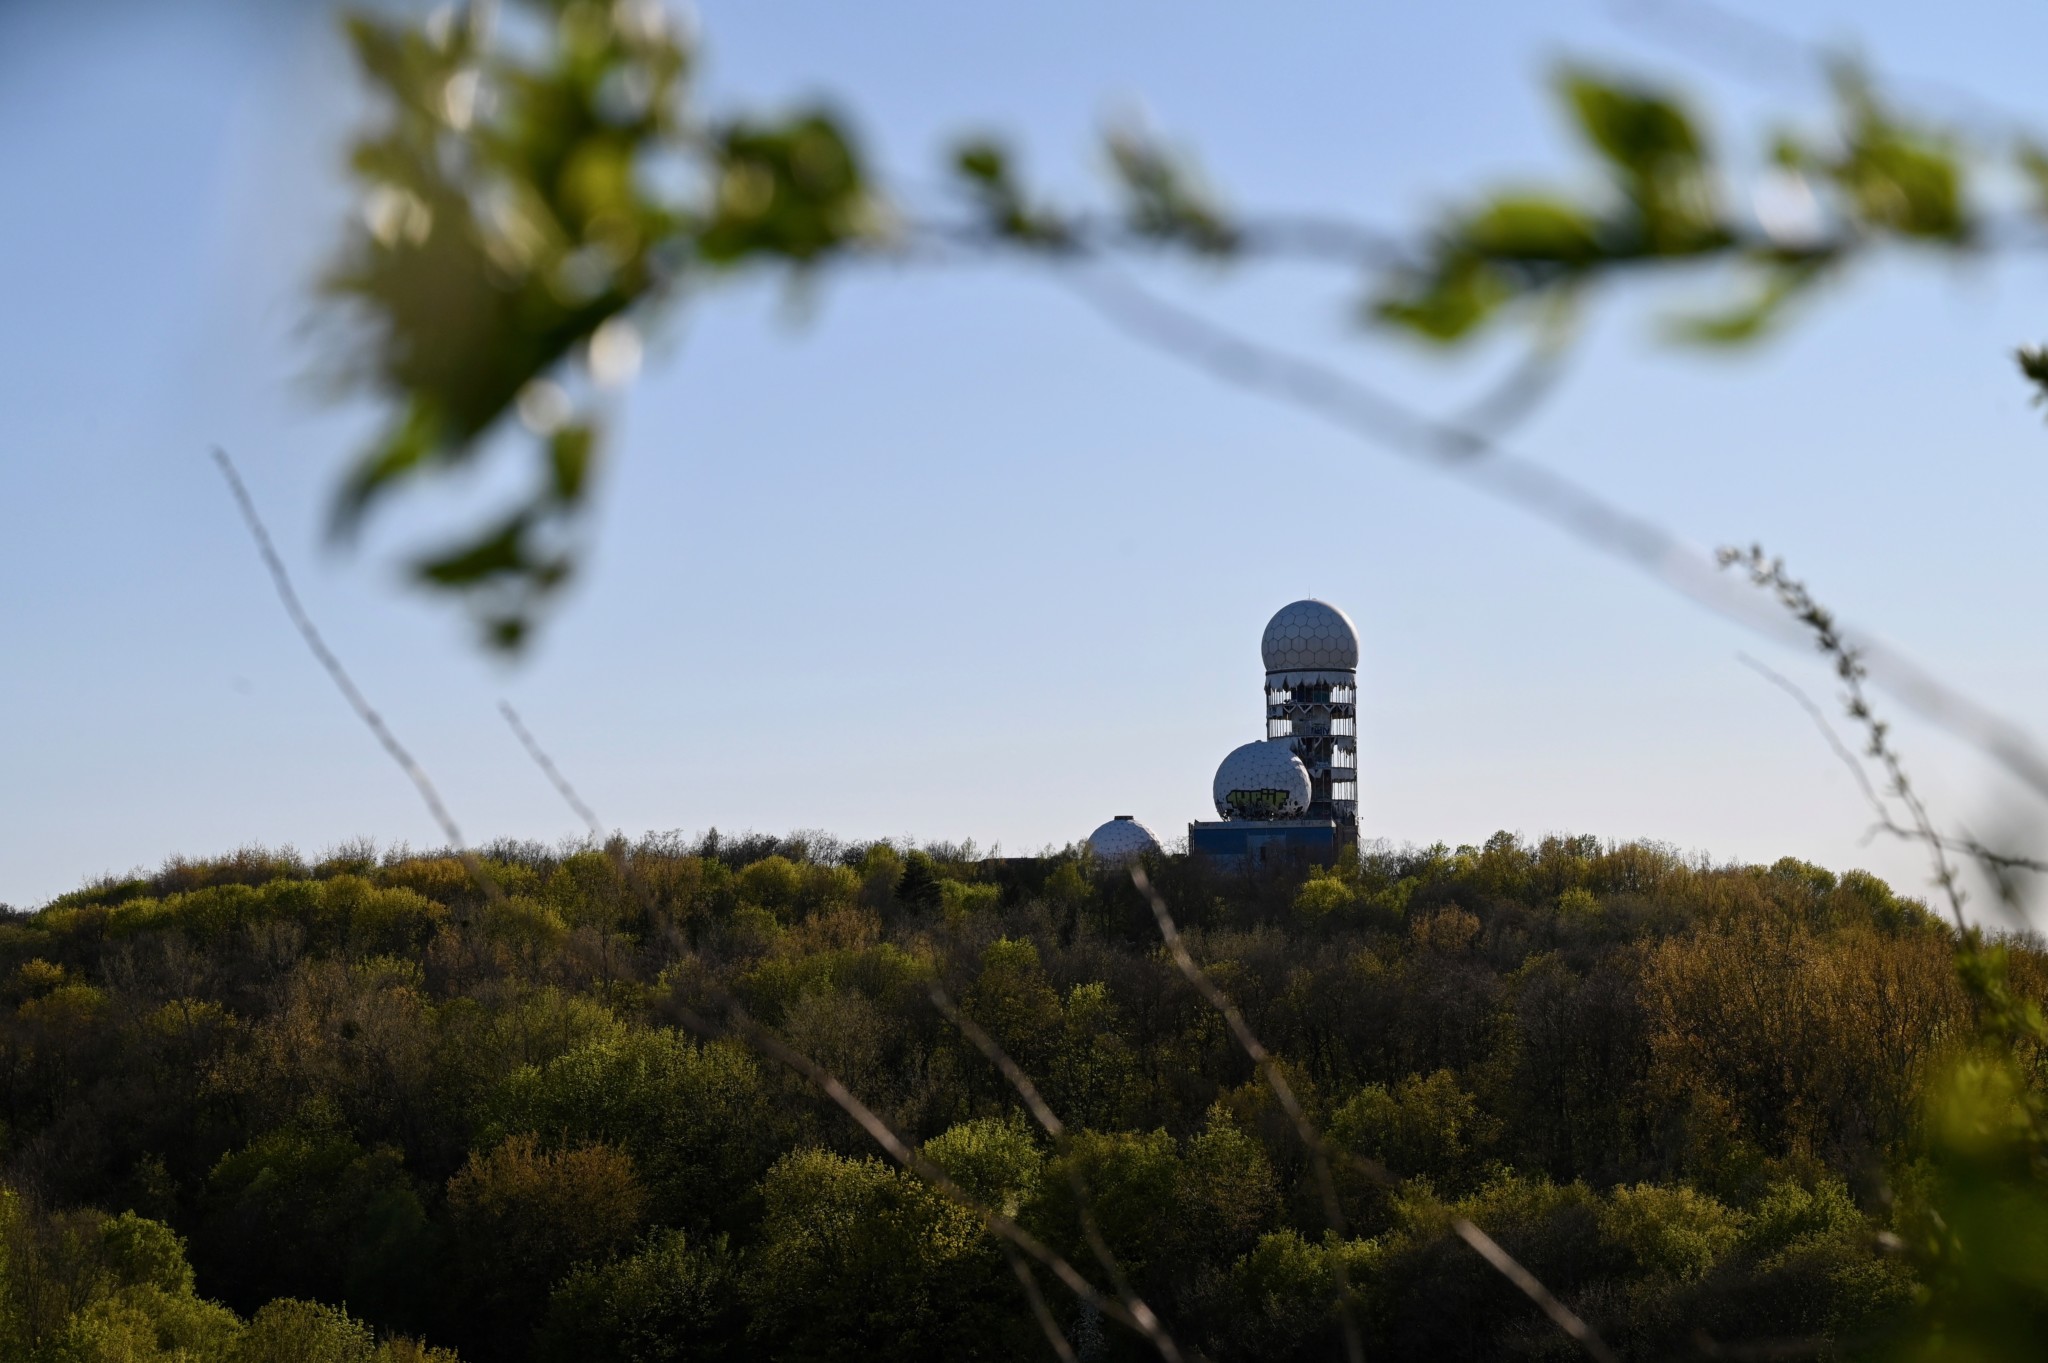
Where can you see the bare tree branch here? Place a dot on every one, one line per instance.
(281, 579)
(551, 771)
(1884, 822)
(1766, 55)
(1308, 238)
(1040, 1312)
(1508, 1267)
(1140, 1316)
(1827, 731)
(907, 1155)
(1826, 635)
(1326, 1183)
(1488, 1248)
(1042, 1113)
(1577, 510)
(1712, 33)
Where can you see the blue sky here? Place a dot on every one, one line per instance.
(937, 554)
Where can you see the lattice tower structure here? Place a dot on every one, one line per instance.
(1311, 655)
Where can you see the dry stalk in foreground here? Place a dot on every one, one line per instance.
(1333, 1210)
(1988, 857)
(550, 770)
(1487, 1247)
(908, 1156)
(281, 579)
(1084, 1201)
(1475, 452)
(1140, 1316)
(1127, 1308)
(1852, 670)
(1040, 1312)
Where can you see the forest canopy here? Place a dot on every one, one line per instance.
(261, 1107)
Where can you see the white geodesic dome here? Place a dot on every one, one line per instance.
(1262, 780)
(1310, 636)
(1121, 841)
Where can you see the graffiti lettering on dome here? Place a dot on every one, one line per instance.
(1258, 804)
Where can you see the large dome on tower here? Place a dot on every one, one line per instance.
(1262, 780)
(1310, 636)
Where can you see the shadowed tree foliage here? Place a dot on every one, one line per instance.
(1745, 1100)
(522, 1217)
(670, 1302)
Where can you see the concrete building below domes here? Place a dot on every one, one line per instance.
(1270, 842)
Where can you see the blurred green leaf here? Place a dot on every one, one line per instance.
(983, 168)
(1779, 284)
(570, 451)
(2033, 363)
(1899, 178)
(513, 201)
(1658, 159)
(2032, 160)
(1533, 227)
(499, 552)
(1643, 133)
(794, 189)
(1448, 303)
(411, 443)
(1164, 197)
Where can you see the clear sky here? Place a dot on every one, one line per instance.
(938, 554)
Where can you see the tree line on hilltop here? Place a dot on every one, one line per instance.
(259, 1108)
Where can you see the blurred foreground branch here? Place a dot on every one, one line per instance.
(1501, 1261)
(1478, 457)
(1884, 822)
(1975, 1220)
(904, 1153)
(550, 770)
(281, 579)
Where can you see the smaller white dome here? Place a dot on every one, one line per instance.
(1121, 841)
(1262, 780)
(1309, 636)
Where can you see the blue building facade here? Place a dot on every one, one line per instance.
(1268, 842)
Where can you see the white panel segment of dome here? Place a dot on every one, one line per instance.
(1121, 841)
(1262, 780)
(1310, 636)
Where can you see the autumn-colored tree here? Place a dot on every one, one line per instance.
(524, 1215)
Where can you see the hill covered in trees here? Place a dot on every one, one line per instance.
(263, 1109)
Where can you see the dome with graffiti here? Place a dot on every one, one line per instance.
(1263, 780)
